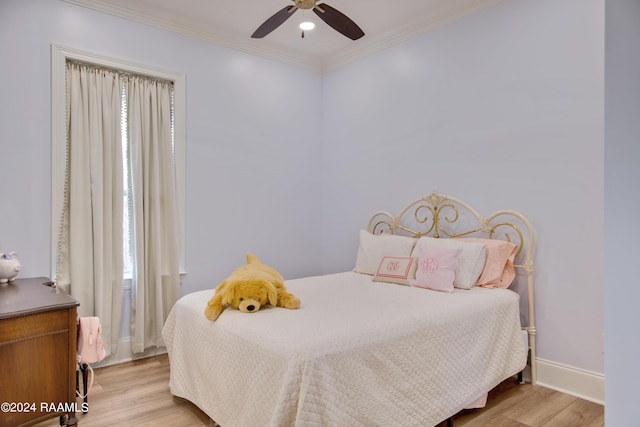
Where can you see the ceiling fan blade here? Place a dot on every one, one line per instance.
(274, 22)
(338, 21)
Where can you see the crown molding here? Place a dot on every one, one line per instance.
(221, 38)
(402, 34)
(293, 57)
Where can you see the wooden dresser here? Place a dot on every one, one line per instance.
(37, 353)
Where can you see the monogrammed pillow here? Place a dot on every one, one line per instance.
(395, 269)
(436, 268)
(471, 260)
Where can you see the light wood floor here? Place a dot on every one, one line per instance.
(137, 394)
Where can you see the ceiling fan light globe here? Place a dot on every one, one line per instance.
(307, 25)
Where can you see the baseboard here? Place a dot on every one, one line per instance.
(124, 354)
(570, 380)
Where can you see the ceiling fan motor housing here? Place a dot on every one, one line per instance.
(305, 4)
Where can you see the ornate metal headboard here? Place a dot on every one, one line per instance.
(438, 215)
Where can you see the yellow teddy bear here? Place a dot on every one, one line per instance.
(250, 287)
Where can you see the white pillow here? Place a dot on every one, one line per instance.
(470, 262)
(374, 247)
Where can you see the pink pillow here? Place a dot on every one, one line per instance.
(436, 268)
(498, 271)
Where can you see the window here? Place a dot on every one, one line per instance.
(91, 94)
(59, 56)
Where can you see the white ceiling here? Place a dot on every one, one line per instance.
(230, 23)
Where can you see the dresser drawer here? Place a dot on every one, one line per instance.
(19, 328)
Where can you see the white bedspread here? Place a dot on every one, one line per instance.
(356, 352)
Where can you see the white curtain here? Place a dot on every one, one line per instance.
(90, 256)
(156, 279)
(90, 246)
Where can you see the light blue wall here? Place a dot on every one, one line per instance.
(504, 109)
(622, 207)
(253, 175)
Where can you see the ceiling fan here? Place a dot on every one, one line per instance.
(336, 19)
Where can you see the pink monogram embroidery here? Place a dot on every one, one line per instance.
(429, 264)
(393, 266)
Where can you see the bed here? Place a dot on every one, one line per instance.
(392, 350)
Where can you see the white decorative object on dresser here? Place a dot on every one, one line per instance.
(9, 267)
